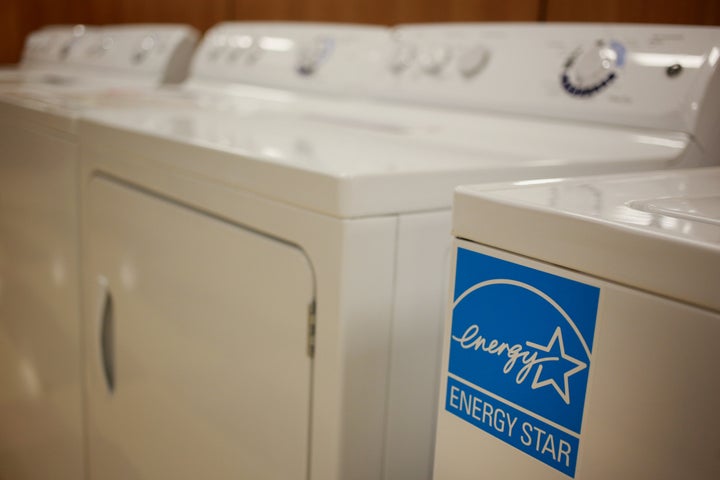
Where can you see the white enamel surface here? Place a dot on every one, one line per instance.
(157, 52)
(526, 61)
(704, 208)
(353, 263)
(658, 232)
(41, 423)
(422, 266)
(213, 377)
(40, 398)
(326, 58)
(400, 160)
(651, 401)
(79, 56)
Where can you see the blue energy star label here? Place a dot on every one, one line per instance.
(520, 354)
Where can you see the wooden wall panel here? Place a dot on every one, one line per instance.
(202, 14)
(354, 11)
(12, 29)
(408, 11)
(19, 17)
(388, 12)
(690, 12)
(265, 10)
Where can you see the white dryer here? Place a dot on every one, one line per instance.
(265, 285)
(582, 330)
(41, 429)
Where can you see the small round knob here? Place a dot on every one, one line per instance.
(253, 53)
(107, 44)
(216, 48)
(147, 44)
(402, 57)
(434, 59)
(238, 46)
(77, 32)
(472, 61)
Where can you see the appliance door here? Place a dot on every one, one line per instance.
(197, 343)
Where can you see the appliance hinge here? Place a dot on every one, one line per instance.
(311, 329)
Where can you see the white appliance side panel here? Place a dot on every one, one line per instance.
(423, 251)
(209, 326)
(40, 374)
(650, 409)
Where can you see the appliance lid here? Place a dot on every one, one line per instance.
(351, 158)
(658, 231)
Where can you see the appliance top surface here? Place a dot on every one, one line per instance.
(359, 158)
(658, 231)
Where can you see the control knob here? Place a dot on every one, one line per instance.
(313, 54)
(472, 61)
(590, 70)
(218, 44)
(433, 60)
(77, 33)
(147, 45)
(402, 57)
(239, 45)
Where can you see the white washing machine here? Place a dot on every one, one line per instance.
(264, 287)
(41, 429)
(583, 328)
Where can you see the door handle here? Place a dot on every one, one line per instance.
(107, 334)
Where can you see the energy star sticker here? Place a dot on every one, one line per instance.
(556, 344)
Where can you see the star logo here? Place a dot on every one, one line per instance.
(565, 368)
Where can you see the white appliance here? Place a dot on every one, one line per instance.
(44, 54)
(583, 328)
(265, 279)
(41, 428)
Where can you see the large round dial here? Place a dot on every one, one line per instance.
(589, 70)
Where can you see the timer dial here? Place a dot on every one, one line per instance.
(589, 70)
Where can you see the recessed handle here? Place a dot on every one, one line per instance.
(107, 334)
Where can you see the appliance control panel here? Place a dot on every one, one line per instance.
(643, 76)
(325, 58)
(151, 51)
(53, 44)
(633, 75)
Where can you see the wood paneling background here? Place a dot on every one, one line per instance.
(689, 12)
(18, 17)
(388, 12)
